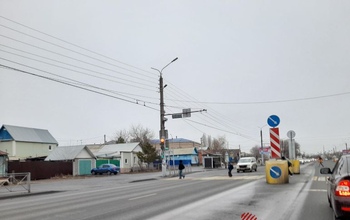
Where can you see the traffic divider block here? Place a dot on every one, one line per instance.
(276, 172)
(295, 166)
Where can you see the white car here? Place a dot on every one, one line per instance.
(247, 164)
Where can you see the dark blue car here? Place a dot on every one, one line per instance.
(106, 168)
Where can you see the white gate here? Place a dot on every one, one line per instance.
(14, 182)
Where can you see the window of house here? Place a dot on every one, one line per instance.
(126, 161)
(50, 148)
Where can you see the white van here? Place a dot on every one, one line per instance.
(247, 163)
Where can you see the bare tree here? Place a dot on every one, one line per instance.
(284, 144)
(140, 134)
(209, 141)
(255, 151)
(219, 146)
(122, 136)
(135, 134)
(216, 145)
(143, 136)
(204, 140)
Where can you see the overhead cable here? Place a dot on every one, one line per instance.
(74, 85)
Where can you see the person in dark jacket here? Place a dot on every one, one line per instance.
(320, 161)
(181, 167)
(230, 168)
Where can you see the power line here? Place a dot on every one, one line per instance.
(75, 71)
(84, 73)
(71, 50)
(270, 102)
(101, 67)
(73, 85)
(55, 52)
(211, 117)
(75, 45)
(224, 130)
(209, 124)
(79, 82)
(46, 41)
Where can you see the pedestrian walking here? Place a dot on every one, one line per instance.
(320, 161)
(181, 168)
(230, 168)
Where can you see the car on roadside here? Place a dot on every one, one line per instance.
(105, 168)
(247, 164)
(338, 187)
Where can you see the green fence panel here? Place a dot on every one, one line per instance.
(99, 162)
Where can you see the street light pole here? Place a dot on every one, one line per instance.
(261, 145)
(162, 136)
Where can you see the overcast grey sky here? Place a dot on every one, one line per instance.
(241, 60)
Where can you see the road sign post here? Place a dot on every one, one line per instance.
(291, 135)
(275, 143)
(274, 121)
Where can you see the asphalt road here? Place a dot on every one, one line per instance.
(201, 195)
(314, 203)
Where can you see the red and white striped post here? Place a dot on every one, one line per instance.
(275, 143)
(248, 216)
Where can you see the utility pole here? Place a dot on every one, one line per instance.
(162, 133)
(262, 147)
(162, 112)
(261, 144)
(239, 152)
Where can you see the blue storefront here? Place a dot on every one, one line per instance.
(189, 156)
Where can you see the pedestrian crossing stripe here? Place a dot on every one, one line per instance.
(319, 178)
(317, 190)
(255, 177)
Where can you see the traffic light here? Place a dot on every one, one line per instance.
(162, 143)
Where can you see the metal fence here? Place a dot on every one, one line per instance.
(174, 170)
(42, 169)
(14, 182)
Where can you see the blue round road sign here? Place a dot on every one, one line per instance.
(273, 121)
(275, 172)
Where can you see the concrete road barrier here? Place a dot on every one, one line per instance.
(276, 172)
(295, 166)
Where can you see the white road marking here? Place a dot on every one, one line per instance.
(255, 177)
(317, 190)
(140, 197)
(320, 178)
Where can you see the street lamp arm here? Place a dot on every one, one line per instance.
(262, 126)
(160, 71)
(169, 64)
(157, 70)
